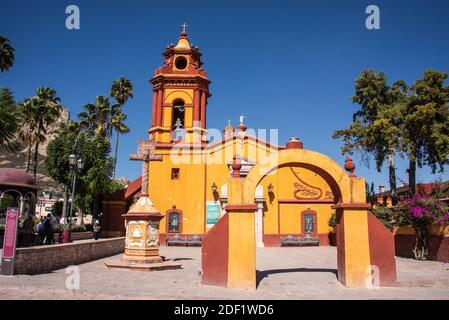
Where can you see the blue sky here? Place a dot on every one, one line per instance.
(288, 65)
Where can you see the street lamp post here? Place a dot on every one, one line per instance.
(76, 165)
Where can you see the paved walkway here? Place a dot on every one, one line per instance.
(283, 273)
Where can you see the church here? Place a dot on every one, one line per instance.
(189, 184)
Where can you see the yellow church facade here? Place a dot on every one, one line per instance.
(189, 186)
(231, 190)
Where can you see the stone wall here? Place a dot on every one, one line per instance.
(76, 236)
(438, 246)
(47, 258)
(437, 242)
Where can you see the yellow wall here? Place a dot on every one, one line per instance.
(290, 217)
(187, 193)
(184, 94)
(193, 189)
(283, 182)
(357, 254)
(242, 253)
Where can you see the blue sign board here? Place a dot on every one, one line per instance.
(213, 211)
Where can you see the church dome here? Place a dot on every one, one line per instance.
(16, 177)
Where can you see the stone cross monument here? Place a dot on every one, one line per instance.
(142, 219)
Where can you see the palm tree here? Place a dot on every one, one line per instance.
(26, 134)
(8, 120)
(118, 124)
(96, 118)
(38, 113)
(6, 54)
(121, 90)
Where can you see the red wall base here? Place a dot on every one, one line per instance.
(438, 246)
(214, 254)
(382, 250)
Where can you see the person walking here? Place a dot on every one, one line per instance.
(96, 228)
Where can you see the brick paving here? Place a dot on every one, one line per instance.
(283, 273)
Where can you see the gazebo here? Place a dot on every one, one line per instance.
(19, 185)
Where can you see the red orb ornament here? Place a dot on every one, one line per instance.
(236, 166)
(350, 166)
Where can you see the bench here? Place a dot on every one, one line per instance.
(307, 240)
(177, 240)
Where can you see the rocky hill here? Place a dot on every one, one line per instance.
(18, 160)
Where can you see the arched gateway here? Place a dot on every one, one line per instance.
(365, 247)
(271, 192)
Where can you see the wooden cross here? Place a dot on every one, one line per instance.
(184, 27)
(145, 153)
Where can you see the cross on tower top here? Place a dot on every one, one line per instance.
(184, 28)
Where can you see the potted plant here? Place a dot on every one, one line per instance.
(332, 223)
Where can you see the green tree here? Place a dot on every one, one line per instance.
(7, 201)
(9, 123)
(6, 54)
(376, 125)
(425, 130)
(38, 113)
(121, 90)
(118, 124)
(96, 118)
(96, 177)
(93, 181)
(370, 194)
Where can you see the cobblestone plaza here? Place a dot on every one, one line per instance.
(283, 273)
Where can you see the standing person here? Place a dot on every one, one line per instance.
(28, 231)
(48, 230)
(96, 228)
(41, 230)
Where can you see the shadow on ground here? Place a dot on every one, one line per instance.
(260, 275)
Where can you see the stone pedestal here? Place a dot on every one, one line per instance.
(142, 233)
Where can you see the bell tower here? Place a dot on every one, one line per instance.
(180, 94)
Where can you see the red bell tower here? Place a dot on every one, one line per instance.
(180, 94)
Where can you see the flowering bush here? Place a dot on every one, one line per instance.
(420, 212)
(386, 216)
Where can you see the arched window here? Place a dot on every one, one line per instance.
(308, 222)
(174, 221)
(178, 116)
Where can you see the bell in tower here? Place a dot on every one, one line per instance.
(180, 94)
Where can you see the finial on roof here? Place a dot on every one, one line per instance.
(184, 28)
(236, 166)
(183, 41)
(241, 126)
(350, 166)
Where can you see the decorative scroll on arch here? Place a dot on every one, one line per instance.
(305, 191)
